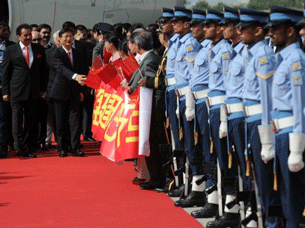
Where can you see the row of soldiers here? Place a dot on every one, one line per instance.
(236, 98)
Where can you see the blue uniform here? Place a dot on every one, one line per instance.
(199, 84)
(260, 67)
(170, 95)
(219, 68)
(188, 47)
(288, 94)
(236, 118)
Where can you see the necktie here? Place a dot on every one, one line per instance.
(27, 55)
(70, 58)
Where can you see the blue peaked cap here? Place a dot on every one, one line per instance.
(279, 15)
(167, 14)
(182, 13)
(250, 17)
(230, 15)
(198, 16)
(213, 16)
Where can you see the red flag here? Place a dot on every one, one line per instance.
(106, 56)
(98, 63)
(110, 76)
(93, 79)
(129, 66)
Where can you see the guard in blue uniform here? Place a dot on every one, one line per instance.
(232, 118)
(219, 59)
(260, 67)
(288, 92)
(188, 47)
(198, 83)
(170, 81)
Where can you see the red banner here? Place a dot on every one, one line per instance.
(116, 123)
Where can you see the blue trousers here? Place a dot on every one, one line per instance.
(263, 174)
(236, 134)
(220, 147)
(204, 142)
(171, 104)
(193, 152)
(291, 185)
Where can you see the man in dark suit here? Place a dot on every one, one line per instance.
(86, 112)
(23, 82)
(5, 109)
(66, 93)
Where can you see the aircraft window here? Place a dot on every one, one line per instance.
(4, 11)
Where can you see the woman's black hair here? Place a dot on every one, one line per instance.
(112, 38)
(123, 46)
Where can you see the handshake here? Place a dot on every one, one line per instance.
(81, 79)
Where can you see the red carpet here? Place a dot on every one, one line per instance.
(50, 191)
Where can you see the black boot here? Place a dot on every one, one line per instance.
(193, 199)
(176, 192)
(228, 220)
(208, 211)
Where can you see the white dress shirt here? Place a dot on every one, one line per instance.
(22, 46)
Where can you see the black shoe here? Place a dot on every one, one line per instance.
(50, 146)
(176, 192)
(3, 155)
(42, 147)
(228, 220)
(89, 138)
(77, 153)
(29, 155)
(150, 185)
(208, 211)
(138, 181)
(19, 153)
(193, 199)
(63, 154)
(11, 147)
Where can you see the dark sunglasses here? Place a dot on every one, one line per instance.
(38, 39)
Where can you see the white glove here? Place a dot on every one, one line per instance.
(177, 109)
(223, 131)
(296, 147)
(267, 139)
(190, 106)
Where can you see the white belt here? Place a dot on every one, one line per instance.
(216, 100)
(252, 110)
(231, 108)
(201, 94)
(182, 91)
(278, 124)
(170, 81)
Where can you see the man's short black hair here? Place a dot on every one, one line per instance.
(81, 28)
(64, 30)
(69, 24)
(4, 24)
(22, 26)
(34, 25)
(44, 26)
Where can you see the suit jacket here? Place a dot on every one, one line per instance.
(148, 68)
(52, 70)
(7, 43)
(158, 84)
(19, 81)
(97, 50)
(63, 86)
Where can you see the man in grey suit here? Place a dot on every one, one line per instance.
(149, 63)
(148, 60)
